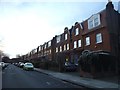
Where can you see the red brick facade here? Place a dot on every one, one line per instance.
(93, 34)
(83, 32)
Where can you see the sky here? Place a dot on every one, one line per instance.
(26, 24)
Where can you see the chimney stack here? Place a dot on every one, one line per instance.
(119, 6)
(109, 1)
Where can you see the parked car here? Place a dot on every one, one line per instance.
(70, 66)
(3, 65)
(21, 65)
(28, 66)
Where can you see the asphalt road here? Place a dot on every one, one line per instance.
(15, 77)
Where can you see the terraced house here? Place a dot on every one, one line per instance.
(100, 32)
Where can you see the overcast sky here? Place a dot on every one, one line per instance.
(24, 25)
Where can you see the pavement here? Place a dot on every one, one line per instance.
(82, 81)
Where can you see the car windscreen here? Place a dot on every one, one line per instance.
(29, 64)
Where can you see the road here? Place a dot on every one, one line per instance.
(15, 77)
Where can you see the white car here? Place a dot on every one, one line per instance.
(28, 66)
(3, 65)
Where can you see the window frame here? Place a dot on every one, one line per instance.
(56, 50)
(60, 48)
(68, 46)
(64, 47)
(39, 49)
(66, 36)
(49, 43)
(58, 38)
(75, 44)
(87, 40)
(79, 43)
(76, 31)
(98, 38)
(50, 51)
(92, 21)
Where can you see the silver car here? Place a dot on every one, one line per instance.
(28, 66)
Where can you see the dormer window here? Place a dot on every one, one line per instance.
(66, 36)
(35, 50)
(76, 31)
(94, 21)
(58, 38)
(49, 43)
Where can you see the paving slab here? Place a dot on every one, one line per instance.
(87, 82)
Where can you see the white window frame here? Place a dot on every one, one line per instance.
(35, 50)
(67, 46)
(76, 31)
(66, 36)
(99, 38)
(56, 49)
(96, 22)
(50, 51)
(81, 26)
(87, 41)
(79, 43)
(92, 21)
(90, 24)
(58, 38)
(39, 48)
(75, 44)
(64, 47)
(49, 43)
(60, 48)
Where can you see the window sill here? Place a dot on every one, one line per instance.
(87, 45)
(98, 42)
(77, 35)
